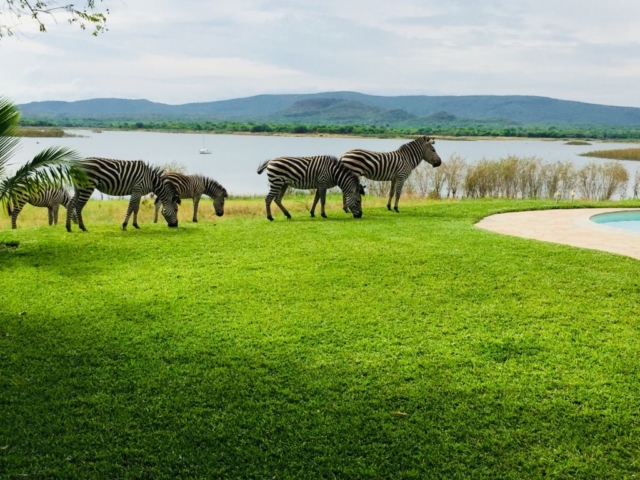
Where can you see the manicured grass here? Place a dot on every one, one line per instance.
(397, 346)
(618, 154)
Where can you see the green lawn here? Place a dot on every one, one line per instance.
(398, 346)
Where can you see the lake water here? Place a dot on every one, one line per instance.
(235, 158)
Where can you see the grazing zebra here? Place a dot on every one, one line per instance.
(51, 198)
(120, 177)
(321, 173)
(194, 186)
(394, 166)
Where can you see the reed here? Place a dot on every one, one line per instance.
(618, 154)
(37, 132)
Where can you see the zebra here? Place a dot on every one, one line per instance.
(122, 177)
(194, 186)
(320, 172)
(51, 198)
(394, 166)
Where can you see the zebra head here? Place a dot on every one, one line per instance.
(218, 202)
(429, 154)
(167, 194)
(352, 191)
(218, 193)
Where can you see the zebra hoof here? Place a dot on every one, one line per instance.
(324, 215)
(270, 218)
(389, 207)
(396, 209)
(135, 225)
(288, 217)
(313, 215)
(195, 220)
(124, 227)
(346, 210)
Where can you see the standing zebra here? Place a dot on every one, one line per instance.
(51, 198)
(120, 177)
(194, 186)
(394, 166)
(321, 173)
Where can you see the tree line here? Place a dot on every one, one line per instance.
(469, 130)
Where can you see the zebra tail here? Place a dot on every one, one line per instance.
(263, 166)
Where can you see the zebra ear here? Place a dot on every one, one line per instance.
(430, 141)
(177, 200)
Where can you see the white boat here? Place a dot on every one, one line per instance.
(203, 150)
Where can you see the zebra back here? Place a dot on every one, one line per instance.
(301, 172)
(390, 165)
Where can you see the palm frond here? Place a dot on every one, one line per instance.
(53, 167)
(9, 117)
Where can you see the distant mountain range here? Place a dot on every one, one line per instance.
(347, 108)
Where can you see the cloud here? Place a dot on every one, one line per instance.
(198, 51)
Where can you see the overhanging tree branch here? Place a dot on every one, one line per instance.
(40, 11)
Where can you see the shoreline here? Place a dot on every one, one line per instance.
(336, 135)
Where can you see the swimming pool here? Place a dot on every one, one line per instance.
(628, 219)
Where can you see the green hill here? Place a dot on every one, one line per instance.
(348, 108)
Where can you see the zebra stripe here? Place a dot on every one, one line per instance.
(51, 198)
(121, 177)
(393, 166)
(194, 186)
(321, 173)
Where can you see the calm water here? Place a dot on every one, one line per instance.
(235, 158)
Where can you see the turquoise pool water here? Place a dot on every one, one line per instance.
(627, 220)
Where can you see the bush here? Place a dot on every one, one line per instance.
(514, 177)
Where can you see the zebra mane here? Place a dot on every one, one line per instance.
(418, 143)
(155, 169)
(211, 182)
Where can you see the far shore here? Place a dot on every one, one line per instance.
(59, 132)
(327, 135)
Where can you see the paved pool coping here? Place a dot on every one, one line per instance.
(568, 227)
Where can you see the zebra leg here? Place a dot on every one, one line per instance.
(76, 205)
(56, 209)
(273, 193)
(17, 208)
(391, 191)
(134, 206)
(399, 185)
(323, 200)
(50, 215)
(157, 209)
(135, 216)
(315, 202)
(281, 193)
(196, 202)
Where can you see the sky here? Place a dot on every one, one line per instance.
(196, 51)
